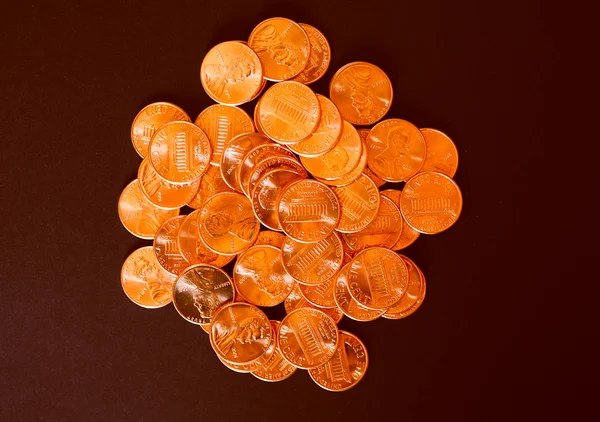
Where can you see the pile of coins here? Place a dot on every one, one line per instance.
(293, 194)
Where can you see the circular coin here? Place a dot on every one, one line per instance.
(258, 363)
(234, 153)
(353, 175)
(414, 296)
(267, 237)
(408, 235)
(442, 155)
(359, 202)
(161, 193)
(313, 263)
(255, 156)
(272, 163)
(210, 184)
(296, 300)
(350, 307)
(319, 58)
(320, 295)
(276, 368)
(165, 246)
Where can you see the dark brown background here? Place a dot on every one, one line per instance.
(494, 338)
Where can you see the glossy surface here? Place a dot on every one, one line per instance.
(162, 193)
(265, 193)
(359, 202)
(408, 235)
(442, 155)
(276, 368)
(313, 263)
(233, 155)
(319, 58)
(209, 184)
(296, 300)
(350, 307)
(414, 296)
(193, 249)
(165, 246)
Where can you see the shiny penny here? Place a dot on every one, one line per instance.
(377, 278)
(383, 231)
(320, 295)
(138, 215)
(234, 153)
(319, 58)
(396, 150)
(258, 363)
(313, 263)
(414, 296)
(200, 290)
(282, 47)
(289, 112)
(161, 193)
(276, 368)
(442, 155)
(350, 307)
(359, 202)
(327, 134)
(308, 210)
(221, 123)
(376, 179)
(193, 249)
(180, 152)
(353, 175)
(268, 237)
(209, 184)
(408, 235)
(259, 276)
(150, 119)
(431, 202)
(256, 155)
(144, 281)
(362, 92)
(307, 338)
(347, 366)
(227, 223)
(296, 300)
(340, 160)
(166, 248)
(240, 333)
(231, 73)
(273, 163)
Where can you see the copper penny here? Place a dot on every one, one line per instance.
(276, 368)
(161, 193)
(376, 179)
(267, 237)
(340, 160)
(199, 291)
(150, 119)
(313, 263)
(180, 152)
(144, 281)
(289, 112)
(193, 249)
(227, 223)
(265, 193)
(166, 248)
(320, 295)
(256, 155)
(245, 368)
(383, 231)
(408, 235)
(272, 163)
(240, 333)
(308, 210)
(431, 202)
(327, 134)
(347, 366)
(307, 338)
(234, 153)
(296, 300)
(359, 202)
(362, 92)
(209, 184)
(377, 278)
(282, 46)
(259, 276)
(396, 150)
(138, 215)
(221, 123)
(319, 58)
(353, 175)
(442, 155)
(350, 307)
(414, 296)
(231, 73)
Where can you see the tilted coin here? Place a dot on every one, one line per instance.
(221, 123)
(268, 237)
(144, 281)
(296, 300)
(308, 210)
(362, 92)
(192, 247)
(327, 134)
(282, 46)
(408, 235)
(161, 193)
(414, 296)
(259, 276)
(166, 248)
(313, 263)
(442, 155)
(347, 366)
(231, 73)
(138, 215)
(359, 202)
(431, 202)
(180, 152)
(240, 333)
(227, 223)
(234, 153)
(320, 295)
(377, 278)
(289, 112)
(245, 368)
(150, 119)
(319, 58)
(272, 163)
(276, 368)
(200, 290)
(396, 150)
(307, 338)
(209, 185)
(340, 160)
(350, 307)
(256, 155)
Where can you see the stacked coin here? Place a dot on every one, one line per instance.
(293, 195)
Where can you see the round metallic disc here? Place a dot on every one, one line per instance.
(163, 194)
(313, 263)
(296, 300)
(261, 361)
(276, 368)
(209, 185)
(319, 58)
(165, 246)
(442, 155)
(234, 153)
(359, 202)
(268, 237)
(350, 307)
(408, 235)
(414, 296)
